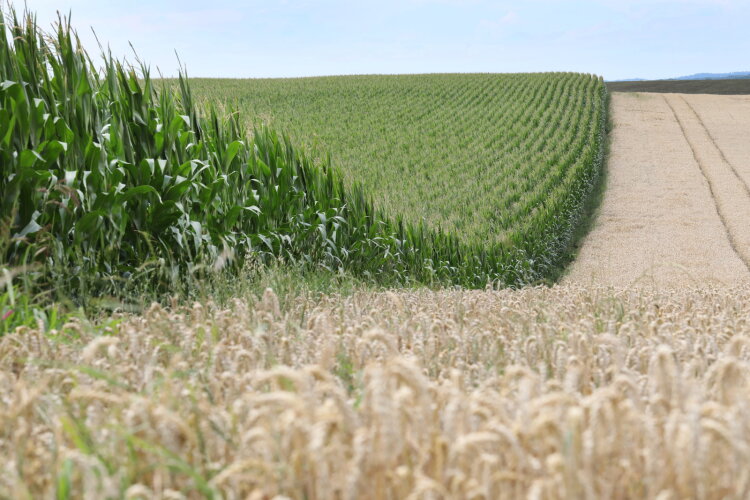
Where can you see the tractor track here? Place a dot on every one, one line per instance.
(663, 222)
(711, 185)
(718, 148)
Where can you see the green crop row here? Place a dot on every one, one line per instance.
(476, 155)
(109, 180)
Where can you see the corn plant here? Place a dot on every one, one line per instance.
(114, 183)
(484, 157)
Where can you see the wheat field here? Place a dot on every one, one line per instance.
(115, 190)
(559, 392)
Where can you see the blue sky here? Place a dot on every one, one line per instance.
(616, 39)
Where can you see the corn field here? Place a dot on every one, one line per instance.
(481, 156)
(113, 184)
(559, 392)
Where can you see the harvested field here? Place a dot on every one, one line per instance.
(540, 393)
(675, 209)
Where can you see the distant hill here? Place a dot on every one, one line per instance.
(715, 76)
(738, 75)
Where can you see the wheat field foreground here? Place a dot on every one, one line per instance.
(559, 392)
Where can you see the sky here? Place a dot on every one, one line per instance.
(617, 39)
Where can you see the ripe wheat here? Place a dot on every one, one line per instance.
(537, 393)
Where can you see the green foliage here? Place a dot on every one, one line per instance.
(114, 185)
(20, 308)
(110, 182)
(478, 155)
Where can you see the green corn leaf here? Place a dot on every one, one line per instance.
(52, 151)
(178, 190)
(29, 157)
(265, 169)
(89, 222)
(231, 152)
(83, 87)
(138, 191)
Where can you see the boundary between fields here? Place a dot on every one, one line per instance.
(592, 205)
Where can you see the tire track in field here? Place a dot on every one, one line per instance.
(733, 240)
(673, 214)
(718, 148)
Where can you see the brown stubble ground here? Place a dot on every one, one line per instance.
(674, 211)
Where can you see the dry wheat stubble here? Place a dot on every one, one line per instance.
(673, 211)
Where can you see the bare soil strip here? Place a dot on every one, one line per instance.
(674, 212)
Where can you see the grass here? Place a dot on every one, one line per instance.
(556, 392)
